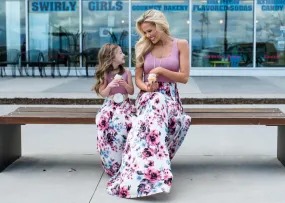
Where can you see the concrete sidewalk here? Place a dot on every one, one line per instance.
(217, 164)
(197, 87)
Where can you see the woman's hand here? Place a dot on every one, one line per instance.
(156, 71)
(151, 87)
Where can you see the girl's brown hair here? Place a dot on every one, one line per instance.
(106, 56)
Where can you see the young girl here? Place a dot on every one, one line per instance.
(114, 82)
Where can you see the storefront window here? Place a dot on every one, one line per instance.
(222, 33)
(105, 22)
(67, 34)
(270, 30)
(176, 12)
(54, 30)
(12, 27)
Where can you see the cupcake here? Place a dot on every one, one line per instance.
(118, 77)
(151, 78)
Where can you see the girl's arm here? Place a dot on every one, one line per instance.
(129, 86)
(183, 75)
(105, 89)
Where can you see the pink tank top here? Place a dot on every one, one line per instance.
(119, 89)
(171, 63)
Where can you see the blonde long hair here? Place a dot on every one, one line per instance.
(106, 55)
(144, 45)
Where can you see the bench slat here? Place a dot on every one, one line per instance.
(193, 115)
(47, 120)
(188, 110)
(57, 109)
(195, 121)
(232, 110)
(52, 115)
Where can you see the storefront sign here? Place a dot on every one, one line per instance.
(168, 8)
(53, 6)
(59, 6)
(105, 5)
(222, 6)
(271, 5)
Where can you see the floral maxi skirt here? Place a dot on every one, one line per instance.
(114, 122)
(157, 133)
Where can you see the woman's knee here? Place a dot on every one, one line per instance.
(157, 98)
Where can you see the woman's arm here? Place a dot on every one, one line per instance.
(140, 83)
(183, 75)
(139, 78)
(128, 86)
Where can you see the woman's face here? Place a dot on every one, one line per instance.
(151, 32)
(119, 56)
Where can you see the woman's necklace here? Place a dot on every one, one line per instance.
(159, 58)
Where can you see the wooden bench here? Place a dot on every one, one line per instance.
(10, 125)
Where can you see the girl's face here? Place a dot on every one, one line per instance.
(151, 32)
(119, 56)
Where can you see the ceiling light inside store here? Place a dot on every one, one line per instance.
(123, 21)
(221, 21)
(188, 21)
(256, 21)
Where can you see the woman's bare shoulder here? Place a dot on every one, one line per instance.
(182, 42)
(182, 45)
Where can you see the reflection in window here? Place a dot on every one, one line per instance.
(54, 28)
(222, 33)
(12, 25)
(105, 23)
(270, 39)
(176, 12)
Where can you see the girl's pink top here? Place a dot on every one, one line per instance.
(119, 89)
(171, 63)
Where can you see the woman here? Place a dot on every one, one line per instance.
(161, 125)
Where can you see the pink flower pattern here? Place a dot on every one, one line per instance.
(157, 132)
(114, 122)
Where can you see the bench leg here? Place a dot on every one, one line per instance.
(10, 145)
(281, 144)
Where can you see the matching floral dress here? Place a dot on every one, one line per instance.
(114, 122)
(157, 132)
(136, 150)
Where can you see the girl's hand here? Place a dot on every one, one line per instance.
(113, 84)
(151, 87)
(123, 83)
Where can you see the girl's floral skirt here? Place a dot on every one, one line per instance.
(157, 133)
(114, 122)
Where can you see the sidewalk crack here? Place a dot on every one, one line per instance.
(96, 187)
